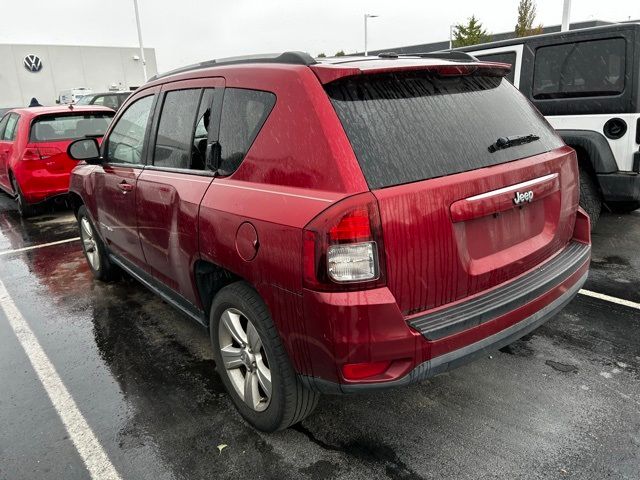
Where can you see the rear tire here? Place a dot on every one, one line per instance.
(623, 207)
(590, 198)
(251, 343)
(94, 250)
(24, 209)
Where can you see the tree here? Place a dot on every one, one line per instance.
(339, 54)
(526, 17)
(470, 34)
(322, 55)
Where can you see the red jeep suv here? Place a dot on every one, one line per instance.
(340, 225)
(34, 165)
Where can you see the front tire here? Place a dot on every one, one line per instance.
(253, 363)
(94, 250)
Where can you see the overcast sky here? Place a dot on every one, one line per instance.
(187, 31)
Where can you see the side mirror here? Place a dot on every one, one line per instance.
(213, 156)
(85, 149)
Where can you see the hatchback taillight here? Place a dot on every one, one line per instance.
(31, 154)
(343, 247)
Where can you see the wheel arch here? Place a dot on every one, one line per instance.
(592, 148)
(75, 201)
(210, 279)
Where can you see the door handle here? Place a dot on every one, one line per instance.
(125, 187)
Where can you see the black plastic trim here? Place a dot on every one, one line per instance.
(166, 293)
(444, 55)
(620, 186)
(497, 302)
(456, 358)
(595, 146)
(289, 58)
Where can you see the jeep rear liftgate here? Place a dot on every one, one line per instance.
(452, 228)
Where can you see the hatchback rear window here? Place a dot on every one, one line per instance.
(407, 127)
(53, 128)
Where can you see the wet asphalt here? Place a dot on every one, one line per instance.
(564, 402)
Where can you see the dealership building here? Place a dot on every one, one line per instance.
(43, 71)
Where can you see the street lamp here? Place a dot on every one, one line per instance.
(144, 62)
(566, 12)
(366, 17)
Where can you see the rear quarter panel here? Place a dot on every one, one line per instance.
(300, 163)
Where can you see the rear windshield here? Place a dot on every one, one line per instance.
(53, 128)
(407, 127)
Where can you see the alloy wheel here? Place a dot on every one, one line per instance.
(245, 359)
(89, 243)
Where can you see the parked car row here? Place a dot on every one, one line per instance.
(338, 225)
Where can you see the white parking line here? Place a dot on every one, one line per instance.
(33, 247)
(85, 441)
(609, 298)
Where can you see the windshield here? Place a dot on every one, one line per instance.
(84, 100)
(407, 127)
(53, 128)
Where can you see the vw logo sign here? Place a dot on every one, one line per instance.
(32, 63)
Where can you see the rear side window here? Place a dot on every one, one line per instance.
(243, 114)
(174, 140)
(583, 69)
(407, 127)
(11, 128)
(53, 128)
(503, 57)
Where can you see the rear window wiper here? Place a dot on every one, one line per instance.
(506, 142)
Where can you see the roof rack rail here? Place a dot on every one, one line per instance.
(289, 58)
(444, 55)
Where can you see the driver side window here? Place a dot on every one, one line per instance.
(126, 141)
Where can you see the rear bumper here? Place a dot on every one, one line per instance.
(454, 335)
(620, 186)
(460, 356)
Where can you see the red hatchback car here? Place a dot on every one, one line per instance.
(34, 165)
(341, 225)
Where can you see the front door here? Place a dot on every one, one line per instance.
(124, 153)
(170, 189)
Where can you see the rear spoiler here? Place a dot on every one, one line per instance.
(328, 73)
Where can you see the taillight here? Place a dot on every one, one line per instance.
(343, 247)
(31, 154)
(40, 153)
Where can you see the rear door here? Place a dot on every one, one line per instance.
(7, 147)
(458, 214)
(3, 147)
(124, 151)
(171, 187)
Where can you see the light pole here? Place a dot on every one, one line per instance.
(366, 17)
(142, 59)
(566, 12)
(451, 27)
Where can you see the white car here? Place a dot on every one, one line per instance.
(73, 95)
